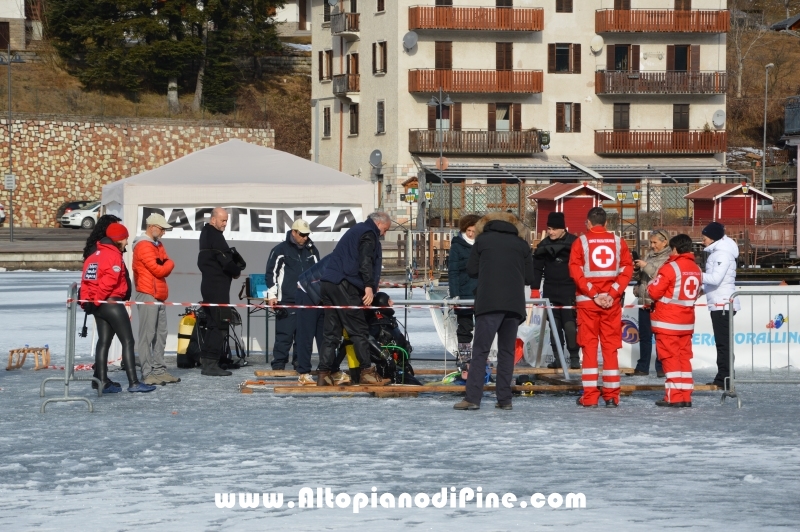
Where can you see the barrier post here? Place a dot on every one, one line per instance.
(69, 358)
(554, 334)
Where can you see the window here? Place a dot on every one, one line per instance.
(568, 118)
(326, 12)
(683, 5)
(564, 58)
(379, 57)
(352, 64)
(354, 119)
(326, 122)
(449, 118)
(444, 2)
(325, 60)
(622, 57)
(683, 58)
(680, 116)
(444, 55)
(504, 3)
(381, 6)
(381, 117)
(563, 6)
(354, 6)
(622, 113)
(505, 117)
(505, 55)
(622, 5)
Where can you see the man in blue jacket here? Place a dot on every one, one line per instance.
(286, 262)
(351, 279)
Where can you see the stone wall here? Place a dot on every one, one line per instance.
(56, 161)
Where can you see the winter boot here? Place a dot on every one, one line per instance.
(370, 377)
(324, 378)
(211, 368)
(574, 360)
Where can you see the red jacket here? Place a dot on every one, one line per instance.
(148, 275)
(674, 291)
(599, 263)
(104, 274)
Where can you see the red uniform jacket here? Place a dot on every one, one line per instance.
(599, 263)
(148, 275)
(104, 274)
(674, 291)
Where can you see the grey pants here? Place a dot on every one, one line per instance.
(504, 325)
(152, 336)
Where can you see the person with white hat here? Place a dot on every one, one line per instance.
(151, 267)
(286, 262)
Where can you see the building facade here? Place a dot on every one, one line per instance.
(535, 90)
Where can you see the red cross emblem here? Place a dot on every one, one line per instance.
(690, 287)
(602, 256)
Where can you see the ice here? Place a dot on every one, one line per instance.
(155, 461)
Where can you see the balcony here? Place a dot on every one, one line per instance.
(659, 142)
(672, 82)
(662, 21)
(476, 81)
(346, 25)
(344, 84)
(474, 142)
(475, 18)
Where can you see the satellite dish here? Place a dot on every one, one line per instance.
(718, 119)
(597, 44)
(375, 158)
(410, 40)
(333, 2)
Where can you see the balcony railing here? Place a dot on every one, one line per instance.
(475, 18)
(346, 83)
(345, 23)
(474, 142)
(662, 20)
(672, 82)
(644, 142)
(483, 81)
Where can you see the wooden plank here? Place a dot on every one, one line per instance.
(519, 370)
(442, 388)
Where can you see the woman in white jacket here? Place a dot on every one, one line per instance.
(719, 283)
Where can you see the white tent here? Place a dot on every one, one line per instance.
(263, 189)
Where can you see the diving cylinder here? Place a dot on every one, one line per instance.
(185, 328)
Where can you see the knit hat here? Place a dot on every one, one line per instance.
(116, 232)
(715, 231)
(556, 220)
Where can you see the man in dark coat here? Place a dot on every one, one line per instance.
(551, 261)
(286, 262)
(462, 285)
(218, 268)
(351, 279)
(501, 261)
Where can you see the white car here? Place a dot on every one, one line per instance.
(83, 218)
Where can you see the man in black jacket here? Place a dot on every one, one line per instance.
(551, 260)
(501, 261)
(351, 279)
(286, 262)
(218, 268)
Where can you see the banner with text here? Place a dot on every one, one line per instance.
(262, 224)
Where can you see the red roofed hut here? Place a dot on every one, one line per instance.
(726, 203)
(573, 199)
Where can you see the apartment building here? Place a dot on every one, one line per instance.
(535, 90)
(294, 18)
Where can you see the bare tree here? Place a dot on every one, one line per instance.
(787, 4)
(744, 36)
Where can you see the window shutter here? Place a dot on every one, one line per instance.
(492, 117)
(516, 117)
(560, 118)
(670, 57)
(321, 58)
(635, 58)
(559, 6)
(611, 51)
(448, 55)
(330, 64)
(551, 57)
(576, 118)
(576, 58)
(374, 57)
(567, 6)
(431, 118)
(622, 5)
(384, 56)
(695, 58)
(444, 55)
(455, 121)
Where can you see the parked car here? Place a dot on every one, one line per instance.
(69, 206)
(2, 214)
(82, 218)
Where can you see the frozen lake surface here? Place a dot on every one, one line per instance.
(155, 461)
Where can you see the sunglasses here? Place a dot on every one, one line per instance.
(304, 235)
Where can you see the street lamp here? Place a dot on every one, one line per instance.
(440, 102)
(764, 152)
(7, 61)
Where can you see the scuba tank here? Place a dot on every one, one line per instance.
(185, 330)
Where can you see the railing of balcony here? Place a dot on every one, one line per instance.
(345, 22)
(672, 82)
(662, 20)
(654, 142)
(474, 142)
(475, 18)
(344, 83)
(486, 81)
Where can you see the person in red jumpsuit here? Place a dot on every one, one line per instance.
(601, 266)
(674, 292)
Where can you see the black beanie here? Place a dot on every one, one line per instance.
(556, 220)
(715, 231)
